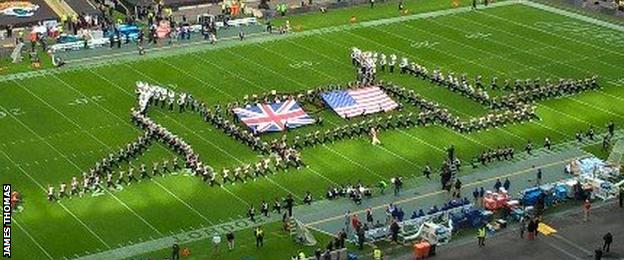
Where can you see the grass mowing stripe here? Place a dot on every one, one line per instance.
(568, 14)
(196, 78)
(92, 136)
(44, 190)
(15, 220)
(464, 136)
(492, 54)
(216, 146)
(471, 139)
(524, 25)
(119, 87)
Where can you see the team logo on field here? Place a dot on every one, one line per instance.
(18, 8)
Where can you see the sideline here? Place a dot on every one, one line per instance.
(573, 15)
(241, 224)
(202, 46)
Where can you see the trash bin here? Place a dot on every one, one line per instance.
(421, 250)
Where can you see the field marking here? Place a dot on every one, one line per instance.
(76, 166)
(196, 78)
(60, 134)
(402, 131)
(465, 137)
(183, 237)
(530, 169)
(550, 33)
(114, 84)
(183, 202)
(301, 84)
(204, 47)
(61, 204)
(214, 145)
(569, 14)
(387, 150)
(565, 63)
(32, 238)
(529, 66)
(493, 54)
(353, 162)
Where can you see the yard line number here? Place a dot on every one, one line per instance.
(478, 35)
(583, 30)
(302, 64)
(86, 100)
(16, 111)
(423, 44)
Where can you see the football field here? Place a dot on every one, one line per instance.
(55, 125)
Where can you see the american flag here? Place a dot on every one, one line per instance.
(359, 101)
(274, 117)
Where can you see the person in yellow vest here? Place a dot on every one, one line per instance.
(481, 236)
(377, 254)
(64, 19)
(259, 237)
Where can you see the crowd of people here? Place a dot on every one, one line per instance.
(354, 192)
(434, 112)
(533, 90)
(366, 65)
(93, 179)
(498, 154)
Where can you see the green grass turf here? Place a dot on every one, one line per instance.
(47, 136)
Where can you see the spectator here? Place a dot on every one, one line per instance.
(481, 236)
(608, 239)
(586, 210)
(394, 231)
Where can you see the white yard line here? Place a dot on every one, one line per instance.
(130, 94)
(223, 151)
(480, 50)
(61, 204)
(353, 162)
(454, 132)
(196, 78)
(564, 63)
(551, 33)
(533, 67)
(14, 219)
(76, 166)
(298, 83)
(569, 14)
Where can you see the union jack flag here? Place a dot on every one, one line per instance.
(274, 117)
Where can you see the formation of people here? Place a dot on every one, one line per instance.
(434, 112)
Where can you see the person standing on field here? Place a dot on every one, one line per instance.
(230, 239)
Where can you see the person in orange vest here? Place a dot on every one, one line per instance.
(186, 252)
